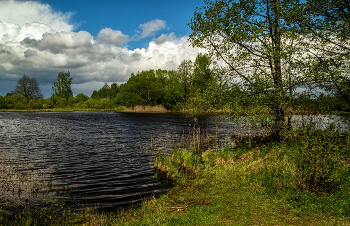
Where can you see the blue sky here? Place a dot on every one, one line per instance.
(97, 41)
(126, 16)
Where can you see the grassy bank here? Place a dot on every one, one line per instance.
(161, 109)
(301, 181)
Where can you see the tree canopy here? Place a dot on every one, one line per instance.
(106, 92)
(28, 87)
(62, 86)
(259, 48)
(329, 30)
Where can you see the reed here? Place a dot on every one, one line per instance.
(27, 196)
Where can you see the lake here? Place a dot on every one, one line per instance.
(106, 157)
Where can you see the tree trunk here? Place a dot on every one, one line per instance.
(277, 74)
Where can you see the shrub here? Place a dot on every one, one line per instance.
(313, 162)
(61, 102)
(47, 103)
(35, 104)
(81, 98)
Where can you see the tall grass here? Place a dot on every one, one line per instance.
(27, 196)
(311, 167)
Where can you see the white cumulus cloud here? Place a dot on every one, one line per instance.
(22, 12)
(41, 49)
(58, 42)
(164, 37)
(13, 33)
(114, 37)
(151, 26)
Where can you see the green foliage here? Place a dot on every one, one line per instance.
(115, 87)
(260, 50)
(81, 98)
(13, 102)
(70, 101)
(185, 70)
(128, 99)
(202, 75)
(48, 103)
(318, 157)
(35, 104)
(60, 102)
(180, 162)
(105, 92)
(62, 87)
(106, 103)
(93, 103)
(152, 88)
(310, 169)
(209, 92)
(326, 22)
(177, 89)
(321, 104)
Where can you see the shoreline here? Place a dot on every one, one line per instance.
(208, 191)
(158, 109)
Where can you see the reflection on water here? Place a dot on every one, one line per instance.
(106, 156)
(321, 121)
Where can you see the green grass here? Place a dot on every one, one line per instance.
(301, 181)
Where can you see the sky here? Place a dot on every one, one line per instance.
(96, 41)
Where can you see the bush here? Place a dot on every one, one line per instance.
(71, 101)
(35, 104)
(13, 102)
(128, 99)
(315, 161)
(93, 103)
(47, 103)
(105, 103)
(80, 98)
(318, 159)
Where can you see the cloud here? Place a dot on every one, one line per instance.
(58, 42)
(150, 27)
(41, 49)
(164, 37)
(22, 12)
(90, 61)
(114, 37)
(14, 33)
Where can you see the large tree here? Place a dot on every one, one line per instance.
(62, 87)
(185, 70)
(258, 47)
(28, 87)
(327, 22)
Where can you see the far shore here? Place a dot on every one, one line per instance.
(156, 109)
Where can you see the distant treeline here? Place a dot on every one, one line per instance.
(172, 99)
(172, 89)
(193, 84)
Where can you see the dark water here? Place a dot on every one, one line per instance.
(107, 157)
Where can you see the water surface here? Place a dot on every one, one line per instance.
(107, 157)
